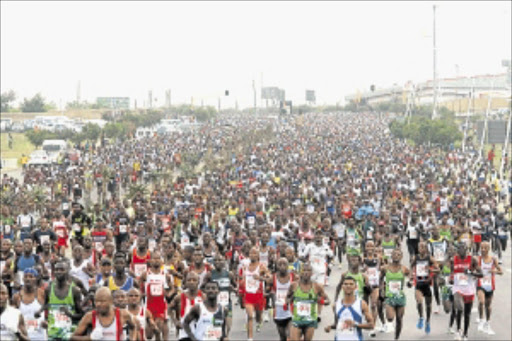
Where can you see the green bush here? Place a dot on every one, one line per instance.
(422, 130)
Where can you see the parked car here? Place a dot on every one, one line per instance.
(39, 157)
(17, 127)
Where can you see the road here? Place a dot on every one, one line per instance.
(500, 319)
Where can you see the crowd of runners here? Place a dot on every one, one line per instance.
(260, 228)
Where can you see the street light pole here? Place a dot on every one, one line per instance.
(434, 82)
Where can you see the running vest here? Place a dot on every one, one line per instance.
(9, 322)
(59, 324)
(112, 332)
(394, 283)
(222, 278)
(438, 249)
(353, 312)
(388, 247)
(463, 283)
(185, 305)
(372, 271)
(79, 273)
(487, 282)
(209, 325)
(304, 306)
(139, 264)
(281, 290)
(128, 284)
(33, 324)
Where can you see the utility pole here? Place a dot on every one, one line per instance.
(470, 101)
(484, 130)
(434, 81)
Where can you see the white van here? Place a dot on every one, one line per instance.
(55, 149)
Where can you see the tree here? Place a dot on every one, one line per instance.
(35, 104)
(36, 137)
(6, 98)
(91, 131)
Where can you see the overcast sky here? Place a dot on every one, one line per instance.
(200, 49)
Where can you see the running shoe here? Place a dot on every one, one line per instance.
(420, 323)
(373, 333)
(427, 328)
(266, 317)
(481, 326)
(258, 327)
(436, 309)
(390, 328)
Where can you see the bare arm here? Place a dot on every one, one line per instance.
(193, 315)
(84, 323)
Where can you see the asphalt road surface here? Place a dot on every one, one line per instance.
(500, 319)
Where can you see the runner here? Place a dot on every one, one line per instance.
(304, 296)
(181, 304)
(392, 279)
(464, 268)
(148, 327)
(423, 267)
(253, 277)
(485, 288)
(371, 267)
(227, 285)
(210, 317)
(157, 287)
(106, 322)
(29, 301)
(62, 304)
(12, 325)
(351, 313)
(281, 282)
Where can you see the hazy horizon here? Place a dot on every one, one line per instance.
(200, 49)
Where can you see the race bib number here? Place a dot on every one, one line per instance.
(213, 333)
(62, 320)
(7, 229)
(388, 252)
(65, 206)
(395, 287)
(462, 279)
(487, 282)
(343, 329)
(251, 220)
(139, 269)
(317, 262)
(76, 228)
(413, 234)
(151, 244)
(421, 270)
(373, 276)
(185, 240)
(502, 232)
(123, 228)
(439, 254)
(44, 239)
(156, 289)
(31, 324)
(60, 233)
(369, 234)
(310, 209)
(99, 246)
(281, 297)
(304, 309)
(223, 298)
(251, 285)
(326, 241)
